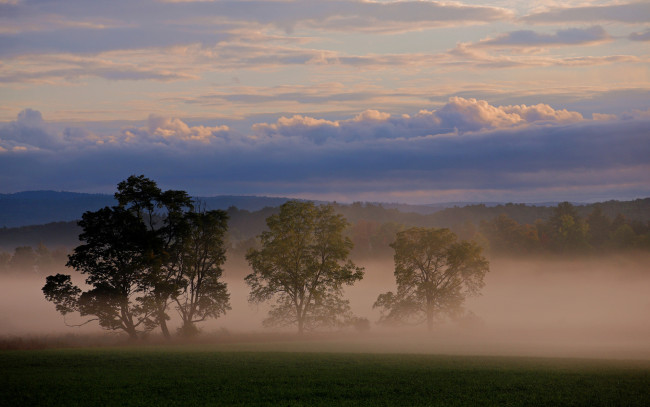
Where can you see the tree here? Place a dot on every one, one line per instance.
(112, 257)
(506, 235)
(568, 231)
(203, 295)
(600, 226)
(434, 274)
(143, 255)
(24, 259)
(303, 265)
(161, 280)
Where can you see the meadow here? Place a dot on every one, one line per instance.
(547, 333)
(236, 374)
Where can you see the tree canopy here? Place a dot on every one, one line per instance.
(303, 264)
(434, 274)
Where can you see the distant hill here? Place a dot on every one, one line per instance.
(41, 207)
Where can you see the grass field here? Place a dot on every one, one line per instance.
(213, 375)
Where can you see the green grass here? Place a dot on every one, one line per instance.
(208, 375)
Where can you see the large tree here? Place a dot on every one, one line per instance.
(303, 264)
(137, 258)
(202, 294)
(163, 214)
(112, 258)
(434, 273)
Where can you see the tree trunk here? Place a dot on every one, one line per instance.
(127, 322)
(430, 320)
(188, 329)
(132, 332)
(163, 324)
(301, 326)
(430, 314)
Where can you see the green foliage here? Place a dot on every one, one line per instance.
(599, 227)
(211, 376)
(434, 273)
(505, 235)
(374, 227)
(302, 264)
(567, 230)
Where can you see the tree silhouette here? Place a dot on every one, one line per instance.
(112, 257)
(151, 250)
(202, 295)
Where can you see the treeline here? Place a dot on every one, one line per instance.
(26, 260)
(563, 231)
(510, 229)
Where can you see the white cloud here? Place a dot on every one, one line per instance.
(31, 132)
(459, 115)
(167, 130)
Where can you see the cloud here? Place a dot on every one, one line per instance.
(192, 47)
(28, 131)
(49, 68)
(77, 27)
(459, 115)
(470, 56)
(367, 16)
(631, 13)
(165, 130)
(31, 132)
(640, 36)
(339, 15)
(466, 145)
(529, 38)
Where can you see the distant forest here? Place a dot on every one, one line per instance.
(510, 229)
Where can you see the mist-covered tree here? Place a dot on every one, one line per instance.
(506, 235)
(567, 230)
(202, 295)
(135, 257)
(303, 264)
(5, 258)
(600, 226)
(46, 259)
(434, 274)
(112, 258)
(24, 259)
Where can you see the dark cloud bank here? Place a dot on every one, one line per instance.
(467, 145)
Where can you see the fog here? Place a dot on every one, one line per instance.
(587, 307)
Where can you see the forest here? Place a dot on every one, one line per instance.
(510, 229)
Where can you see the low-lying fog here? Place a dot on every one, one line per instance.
(588, 307)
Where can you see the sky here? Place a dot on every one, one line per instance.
(384, 101)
